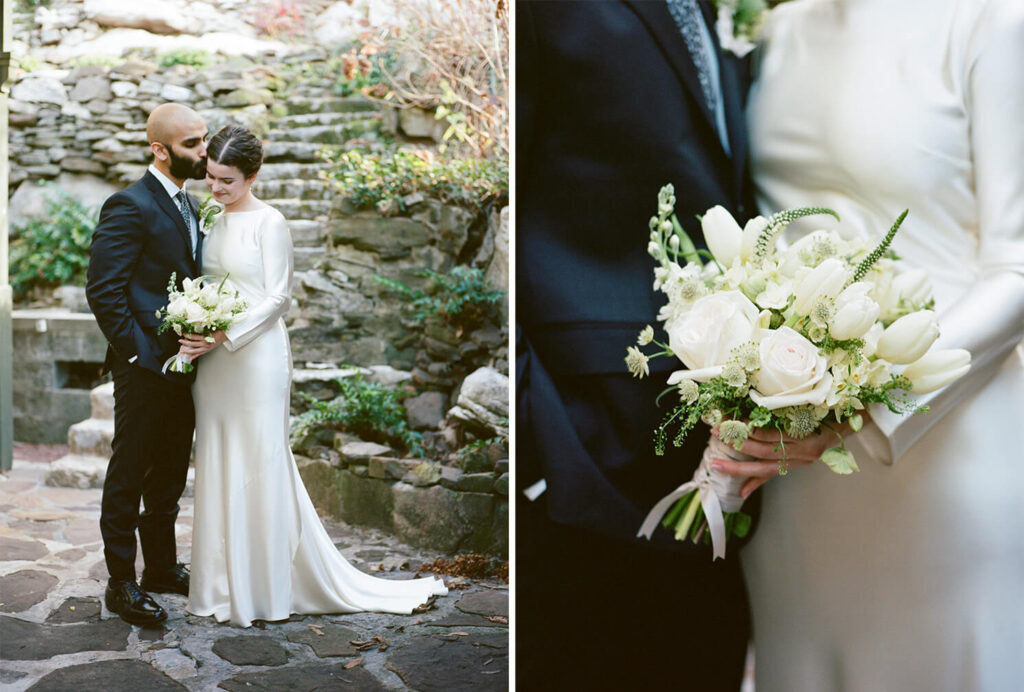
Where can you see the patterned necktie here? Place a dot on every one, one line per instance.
(186, 215)
(687, 14)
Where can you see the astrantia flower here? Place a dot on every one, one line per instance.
(734, 374)
(636, 361)
(733, 433)
(688, 391)
(747, 356)
(646, 336)
(822, 311)
(800, 421)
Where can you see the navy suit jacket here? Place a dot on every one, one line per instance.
(608, 110)
(139, 241)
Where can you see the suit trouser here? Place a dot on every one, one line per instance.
(153, 425)
(597, 613)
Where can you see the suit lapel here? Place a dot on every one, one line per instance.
(657, 20)
(171, 209)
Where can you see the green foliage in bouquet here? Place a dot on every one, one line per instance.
(367, 409)
(55, 250)
(462, 298)
(381, 181)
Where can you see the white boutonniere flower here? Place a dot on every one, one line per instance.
(739, 24)
(209, 210)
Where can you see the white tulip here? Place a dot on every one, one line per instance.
(855, 312)
(792, 371)
(871, 338)
(722, 234)
(908, 338)
(195, 313)
(751, 231)
(704, 337)
(824, 281)
(937, 369)
(907, 290)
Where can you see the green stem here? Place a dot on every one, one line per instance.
(683, 527)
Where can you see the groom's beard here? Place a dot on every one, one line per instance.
(183, 167)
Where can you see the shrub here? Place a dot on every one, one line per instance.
(367, 409)
(52, 251)
(462, 298)
(374, 181)
(195, 57)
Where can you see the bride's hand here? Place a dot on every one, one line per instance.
(196, 345)
(771, 446)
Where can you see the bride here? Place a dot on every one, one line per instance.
(259, 550)
(909, 576)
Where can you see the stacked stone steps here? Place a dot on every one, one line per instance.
(333, 133)
(85, 464)
(301, 105)
(332, 118)
(313, 188)
(88, 445)
(300, 208)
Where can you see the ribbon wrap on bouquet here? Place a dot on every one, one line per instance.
(719, 493)
(177, 363)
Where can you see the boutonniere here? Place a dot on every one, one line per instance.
(739, 24)
(208, 212)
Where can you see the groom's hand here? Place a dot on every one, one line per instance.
(771, 446)
(196, 345)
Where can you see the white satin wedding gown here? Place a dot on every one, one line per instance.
(910, 576)
(259, 550)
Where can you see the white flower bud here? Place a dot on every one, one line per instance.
(723, 235)
(855, 312)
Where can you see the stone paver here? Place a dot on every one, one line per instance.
(58, 635)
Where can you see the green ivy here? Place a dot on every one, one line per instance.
(367, 409)
(374, 181)
(462, 298)
(55, 250)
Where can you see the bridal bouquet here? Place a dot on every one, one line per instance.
(791, 339)
(203, 306)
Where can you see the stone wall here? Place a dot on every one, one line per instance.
(57, 359)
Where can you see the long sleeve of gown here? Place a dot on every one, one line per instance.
(276, 252)
(987, 320)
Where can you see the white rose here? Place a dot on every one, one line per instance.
(937, 369)
(824, 281)
(855, 312)
(908, 338)
(703, 338)
(792, 371)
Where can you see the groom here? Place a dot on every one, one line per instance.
(614, 100)
(145, 233)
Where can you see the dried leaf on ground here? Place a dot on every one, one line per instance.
(469, 565)
(353, 663)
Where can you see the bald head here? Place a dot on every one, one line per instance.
(177, 138)
(169, 121)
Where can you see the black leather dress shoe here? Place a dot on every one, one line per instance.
(174, 580)
(134, 605)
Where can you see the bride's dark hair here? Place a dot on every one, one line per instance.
(236, 146)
